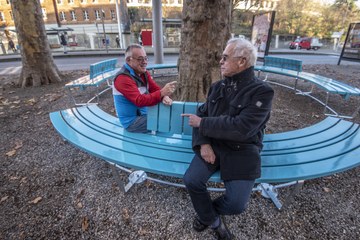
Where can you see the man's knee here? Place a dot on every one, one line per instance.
(191, 182)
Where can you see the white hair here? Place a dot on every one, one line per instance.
(128, 51)
(244, 48)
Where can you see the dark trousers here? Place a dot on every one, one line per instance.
(234, 201)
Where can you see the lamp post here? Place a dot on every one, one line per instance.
(56, 13)
(102, 20)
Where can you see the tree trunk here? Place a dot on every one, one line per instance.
(38, 67)
(205, 31)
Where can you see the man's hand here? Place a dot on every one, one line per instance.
(167, 100)
(207, 153)
(168, 89)
(194, 121)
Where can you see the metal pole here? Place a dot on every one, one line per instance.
(119, 24)
(56, 13)
(157, 32)
(102, 20)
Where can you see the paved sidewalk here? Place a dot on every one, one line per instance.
(150, 51)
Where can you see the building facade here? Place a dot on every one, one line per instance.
(90, 21)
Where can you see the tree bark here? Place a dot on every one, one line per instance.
(205, 31)
(38, 67)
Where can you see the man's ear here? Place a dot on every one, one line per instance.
(127, 59)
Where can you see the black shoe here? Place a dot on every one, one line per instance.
(198, 226)
(222, 232)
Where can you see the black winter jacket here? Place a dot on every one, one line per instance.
(233, 122)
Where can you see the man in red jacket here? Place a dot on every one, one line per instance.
(134, 90)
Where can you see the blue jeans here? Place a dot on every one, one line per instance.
(139, 125)
(234, 201)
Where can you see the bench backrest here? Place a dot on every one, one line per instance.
(167, 119)
(284, 63)
(99, 68)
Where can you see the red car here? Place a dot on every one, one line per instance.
(306, 43)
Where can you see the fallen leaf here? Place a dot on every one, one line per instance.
(36, 200)
(14, 178)
(125, 214)
(326, 189)
(79, 205)
(5, 102)
(3, 199)
(18, 144)
(85, 224)
(16, 102)
(11, 153)
(31, 101)
(54, 97)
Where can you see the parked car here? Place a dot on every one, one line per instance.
(306, 43)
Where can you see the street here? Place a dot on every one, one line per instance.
(83, 62)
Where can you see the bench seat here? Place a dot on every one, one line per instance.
(328, 147)
(100, 73)
(86, 81)
(293, 68)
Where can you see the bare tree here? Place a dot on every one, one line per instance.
(205, 31)
(38, 67)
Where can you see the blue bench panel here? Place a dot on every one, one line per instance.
(99, 68)
(331, 85)
(100, 134)
(159, 120)
(107, 124)
(284, 63)
(293, 68)
(285, 72)
(160, 66)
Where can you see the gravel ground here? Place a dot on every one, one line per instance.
(51, 190)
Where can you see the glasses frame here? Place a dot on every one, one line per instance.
(225, 57)
(141, 59)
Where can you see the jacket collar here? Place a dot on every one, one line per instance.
(244, 76)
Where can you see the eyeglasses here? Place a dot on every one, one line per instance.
(141, 59)
(225, 57)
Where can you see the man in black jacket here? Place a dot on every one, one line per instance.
(228, 131)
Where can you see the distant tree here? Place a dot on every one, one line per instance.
(347, 10)
(38, 67)
(205, 31)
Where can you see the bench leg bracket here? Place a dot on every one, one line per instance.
(138, 176)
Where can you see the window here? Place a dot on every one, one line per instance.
(73, 15)
(97, 15)
(11, 15)
(83, 1)
(113, 14)
(94, 1)
(7, 1)
(2, 17)
(43, 11)
(60, 1)
(62, 16)
(71, 1)
(86, 15)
